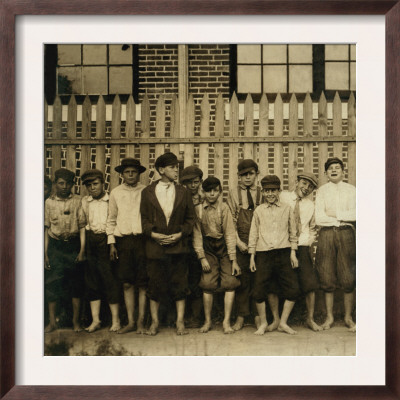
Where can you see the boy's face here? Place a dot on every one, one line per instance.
(213, 194)
(95, 188)
(271, 196)
(193, 185)
(131, 176)
(63, 188)
(304, 188)
(170, 172)
(248, 178)
(335, 173)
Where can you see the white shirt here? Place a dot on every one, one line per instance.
(306, 205)
(165, 193)
(96, 212)
(335, 198)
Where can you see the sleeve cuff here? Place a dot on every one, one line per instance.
(294, 246)
(200, 254)
(232, 257)
(251, 251)
(111, 239)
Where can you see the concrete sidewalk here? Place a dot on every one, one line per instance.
(334, 342)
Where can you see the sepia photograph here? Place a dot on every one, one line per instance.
(199, 199)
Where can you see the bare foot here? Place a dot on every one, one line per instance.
(261, 329)
(128, 328)
(77, 327)
(115, 327)
(350, 324)
(205, 328)
(313, 325)
(275, 324)
(257, 321)
(227, 328)
(95, 325)
(287, 329)
(50, 328)
(238, 324)
(328, 323)
(180, 329)
(140, 329)
(153, 330)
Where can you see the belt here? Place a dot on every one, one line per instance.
(338, 228)
(65, 238)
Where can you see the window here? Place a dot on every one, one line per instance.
(340, 67)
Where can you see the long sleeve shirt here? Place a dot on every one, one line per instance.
(124, 211)
(96, 213)
(335, 199)
(307, 217)
(215, 221)
(165, 193)
(273, 227)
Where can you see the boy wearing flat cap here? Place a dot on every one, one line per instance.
(192, 178)
(167, 220)
(273, 245)
(335, 213)
(303, 209)
(214, 240)
(242, 201)
(126, 240)
(99, 277)
(64, 247)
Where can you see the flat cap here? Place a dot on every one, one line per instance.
(130, 162)
(333, 160)
(309, 177)
(271, 182)
(247, 165)
(65, 174)
(165, 160)
(91, 175)
(190, 173)
(210, 183)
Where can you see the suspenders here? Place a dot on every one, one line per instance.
(258, 196)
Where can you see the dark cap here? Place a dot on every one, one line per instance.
(190, 173)
(247, 165)
(165, 160)
(211, 183)
(65, 174)
(271, 182)
(309, 177)
(130, 162)
(91, 175)
(333, 160)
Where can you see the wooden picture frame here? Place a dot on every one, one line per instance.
(12, 8)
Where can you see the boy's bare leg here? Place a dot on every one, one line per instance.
(348, 309)
(329, 296)
(310, 303)
(263, 319)
(273, 302)
(129, 297)
(115, 324)
(142, 309)
(153, 330)
(95, 310)
(52, 318)
(238, 324)
(180, 312)
(208, 303)
(76, 305)
(287, 309)
(228, 303)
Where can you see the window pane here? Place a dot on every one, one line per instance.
(300, 79)
(95, 80)
(274, 54)
(120, 80)
(336, 52)
(337, 76)
(69, 54)
(69, 80)
(249, 53)
(275, 78)
(249, 79)
(353, 76)
(95, 54)
(120, 53)
(300, 53)
(353, 52)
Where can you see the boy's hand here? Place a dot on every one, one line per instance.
(252, 263)
(160, 238)
(242, 246)
(205, 265)
(47, 262)
(113, 252)
(235, 268)
(81, 257)
(171, 239)
(293, 259)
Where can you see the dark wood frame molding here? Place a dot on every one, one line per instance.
(9, 9)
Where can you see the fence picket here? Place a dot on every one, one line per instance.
(293, 147)
(233, 147)
(263, 131)
(101, 134)
(160, 125)
(190, 119)
(219, 132)
(130, 125)
(322, 130)
(308, 131)
(57, 124)
(248, 148)
(351, 115)
(175, 115)
(278, 131)
(86, 128)
(115, 134)
(145, 148)
(71, 134)
(337, 125)
(204, 132)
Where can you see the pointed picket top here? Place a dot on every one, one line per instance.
(322, 105)
(145, 116)
(116, 118)
(205, 116)
(234, 116)
(57, 118)
(249, 116)
(351, 114)
(263, 115)
(72, 112)
(175, 114)
(322, 115)
(101, 118)
(130, 117)
(160, 116)
(337, 115)
(219, 116)
(308, 115)
(190, 116)
(278, 116)
(86, 118)
(293, 115)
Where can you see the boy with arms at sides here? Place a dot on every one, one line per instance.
(303, 209)
(335, 213)
(99, 277)
(192, 178)
(64, 247)
(242, 201)
(167, 218)
(214, 240)
(273, 245)
(126, 240)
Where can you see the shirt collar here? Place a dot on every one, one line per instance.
(165, 184)
(252, 187)
(277, 204)
(129, 187)
(55, 197)
(104, 198)
(206, 204)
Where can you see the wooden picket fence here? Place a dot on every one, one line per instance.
(283, 138)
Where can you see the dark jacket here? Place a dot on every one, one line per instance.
(153, 220)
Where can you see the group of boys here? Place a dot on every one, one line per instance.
(184, 242)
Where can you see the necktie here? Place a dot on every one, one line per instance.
(297, 216)
(249, 199)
